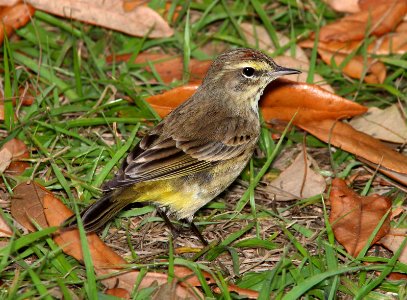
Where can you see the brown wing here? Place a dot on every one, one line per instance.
(159, 156)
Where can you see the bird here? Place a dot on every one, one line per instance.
(197, 150)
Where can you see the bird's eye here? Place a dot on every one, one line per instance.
(248, 72)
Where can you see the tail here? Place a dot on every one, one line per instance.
(97, 214)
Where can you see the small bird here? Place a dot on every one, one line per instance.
(199, 149)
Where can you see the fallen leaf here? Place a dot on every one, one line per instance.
(354, 217)
(358, 67)
(349, 6)
(393, 240)
(281, 100)
(347, 138)
(164, 103)
(14, 17)
(26, 204)
(385, 124)
(10, 153)
(258, 37)
(5, 230)
(397, 176)
(142, 21)
(298, 181)
(377, 20)
(169, 67)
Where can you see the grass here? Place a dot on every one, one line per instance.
(88, 114)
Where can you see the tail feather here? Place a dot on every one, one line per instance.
(97, 214)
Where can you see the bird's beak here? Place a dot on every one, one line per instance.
(280, 71)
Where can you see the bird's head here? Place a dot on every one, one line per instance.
(243, 74)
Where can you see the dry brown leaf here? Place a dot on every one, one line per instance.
(26, 204)
(393, 240)
(378, 20)
(169, 67)
(281, 100)
(141, 21)
(10, 153)
(258, 37)
(397, 176)
(385, 124)
(354, 217)
(348, 6)
(347, 138)
(374, 72)
(5, 230)
(298, 181)
(14, 17)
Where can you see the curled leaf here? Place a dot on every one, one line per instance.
(141, 21)
(347, 138)
(354, 217)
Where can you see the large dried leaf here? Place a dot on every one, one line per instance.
(14, 17)
(354, 217)
(358, 67)
(347, 138)
(378, 20)
(141, 21)
(27, 204)
(169, 67)
(298, 181)
(258, 37)
(385, 124)
(393, 240)
(281, 100)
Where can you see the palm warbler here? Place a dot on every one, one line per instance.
(199, 149)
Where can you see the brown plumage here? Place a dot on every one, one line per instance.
(200, 148)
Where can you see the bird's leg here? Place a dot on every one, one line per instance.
(196, 231)
(174, 231)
